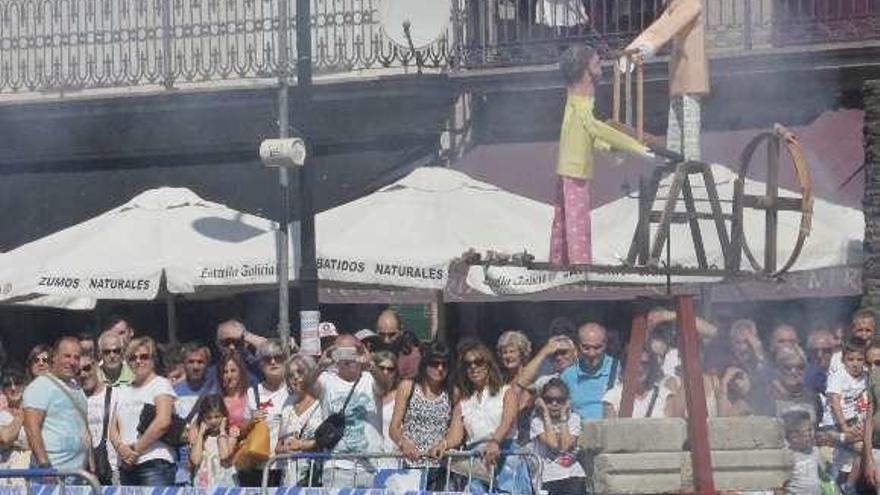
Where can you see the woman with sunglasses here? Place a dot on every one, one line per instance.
(555, 429)
(14, 450)
(388, 378)
(789, 390)
(486, 413)
(144, 460)
(422, 411)
(38, 361)
(300, 418)
(264, 403)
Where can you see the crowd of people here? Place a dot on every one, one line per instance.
(112, 404)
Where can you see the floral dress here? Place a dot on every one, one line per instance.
(211, 472)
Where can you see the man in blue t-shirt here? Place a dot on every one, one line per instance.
(593, 374)
(201, 380)
(55, 416)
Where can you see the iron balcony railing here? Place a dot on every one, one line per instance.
(68, 45)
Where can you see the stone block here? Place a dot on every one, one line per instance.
(746, 433)
(633, 435)
(665, 472)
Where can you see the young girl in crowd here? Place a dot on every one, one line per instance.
(212, 445)
(555, 430)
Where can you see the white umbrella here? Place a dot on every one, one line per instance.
(124, 253)
(406, 233)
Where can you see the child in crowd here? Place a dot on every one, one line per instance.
(555, 430)
(805, 475)
(848, 401)
(212, 445)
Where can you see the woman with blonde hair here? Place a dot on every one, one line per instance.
(144, 459)
(300, 418)
(515, 350)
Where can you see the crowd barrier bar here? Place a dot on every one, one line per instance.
(470, 455)
(28, 474)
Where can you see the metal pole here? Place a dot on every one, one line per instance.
(284, 181)
(309, 315)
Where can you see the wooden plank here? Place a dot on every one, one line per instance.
(665, 217)
(771, 215)
(637, 337)
(615, 93)
(684, 217)
(733, 261)
(694, 224)
(695, 396)
(715, 205)
(778, 203)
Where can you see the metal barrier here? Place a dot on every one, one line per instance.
(472, 457)
(28, 474)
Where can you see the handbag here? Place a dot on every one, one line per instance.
(331, 430)
(253, 450)
(103, 468)
(174, 437)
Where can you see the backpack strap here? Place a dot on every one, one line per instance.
(653, 402)
(107, 394)
(612, 375)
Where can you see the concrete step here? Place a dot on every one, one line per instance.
(670, 434)
(665, 472)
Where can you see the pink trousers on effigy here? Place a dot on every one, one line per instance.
(570, 234)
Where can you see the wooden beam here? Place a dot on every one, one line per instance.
(695, 396)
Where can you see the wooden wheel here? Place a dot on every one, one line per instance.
(776, 141)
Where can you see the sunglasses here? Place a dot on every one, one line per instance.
(275, 358)
(555, 399)
(43, 359)
(86, 369)
(475, 363)
(112, 350)
(230, 342)
(794, 367)
(822, 350)
(387, 369)
(438, 364)
(145, 356)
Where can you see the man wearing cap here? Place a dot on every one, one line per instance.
(369, 338)
(350, 373)
(327, 333)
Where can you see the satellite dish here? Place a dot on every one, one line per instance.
(429, 20)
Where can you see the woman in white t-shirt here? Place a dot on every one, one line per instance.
(300, 418)
(264, 403)
(555, 430)
(144, 460)
(385, 364)
(487, 410)
(653, 399)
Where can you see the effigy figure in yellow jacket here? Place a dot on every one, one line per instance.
(580, 137)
